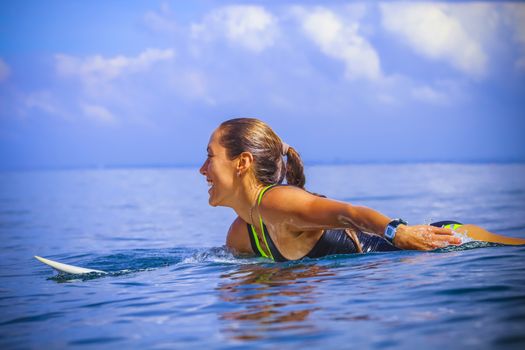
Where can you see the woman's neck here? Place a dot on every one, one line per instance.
(246, 200)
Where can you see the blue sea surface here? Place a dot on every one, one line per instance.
(171, 283)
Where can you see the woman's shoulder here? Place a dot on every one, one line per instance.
(284, 197)
(283, 191)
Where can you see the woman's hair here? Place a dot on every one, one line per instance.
(268, 150)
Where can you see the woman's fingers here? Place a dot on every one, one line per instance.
(439, 244)
(425, 237)
(441, 237)
(447, 239)
(442, 231)
(446, 235)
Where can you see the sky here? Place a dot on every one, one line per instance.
(144, 83)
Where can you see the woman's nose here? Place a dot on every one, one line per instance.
(202, 170)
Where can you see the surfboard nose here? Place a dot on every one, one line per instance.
(65, 268)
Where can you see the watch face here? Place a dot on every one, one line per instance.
(389, 232)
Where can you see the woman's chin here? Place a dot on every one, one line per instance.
(212, 201)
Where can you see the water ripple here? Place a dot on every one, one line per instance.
(35, 318)
(95, 340)
(108, 302)
(156, 296)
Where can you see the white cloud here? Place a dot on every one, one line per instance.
(161, 21)
(102, 83)
(444, 92)
(514, 15)
(97, 68)
(4, 70)
(439, 31)
(193, 84)
(44, 101)
(98, 113)
(341, 41)
(428, 94)
(251, 27)
(387, 99)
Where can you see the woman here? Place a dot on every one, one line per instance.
(244, 168)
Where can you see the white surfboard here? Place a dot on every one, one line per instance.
(65, 268)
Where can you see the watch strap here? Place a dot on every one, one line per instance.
(391, 229)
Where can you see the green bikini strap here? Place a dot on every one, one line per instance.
(262, 192)
(256, 239)
(262, 227)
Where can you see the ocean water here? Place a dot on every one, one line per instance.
(171, 284)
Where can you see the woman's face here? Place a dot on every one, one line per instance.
(219, 171)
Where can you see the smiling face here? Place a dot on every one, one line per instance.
(220, 172)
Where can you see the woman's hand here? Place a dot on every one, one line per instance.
(424, 237)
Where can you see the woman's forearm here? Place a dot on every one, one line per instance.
(419, 237)
(367, 219)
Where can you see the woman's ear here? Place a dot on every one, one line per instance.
(244, 162)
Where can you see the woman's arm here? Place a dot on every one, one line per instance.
(302, 211)
(237, 239)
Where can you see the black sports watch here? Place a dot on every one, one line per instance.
(391, 228)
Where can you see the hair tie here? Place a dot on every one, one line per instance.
(285, 148)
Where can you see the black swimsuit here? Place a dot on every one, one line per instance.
(331, 241)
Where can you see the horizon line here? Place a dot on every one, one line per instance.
(183, 165)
